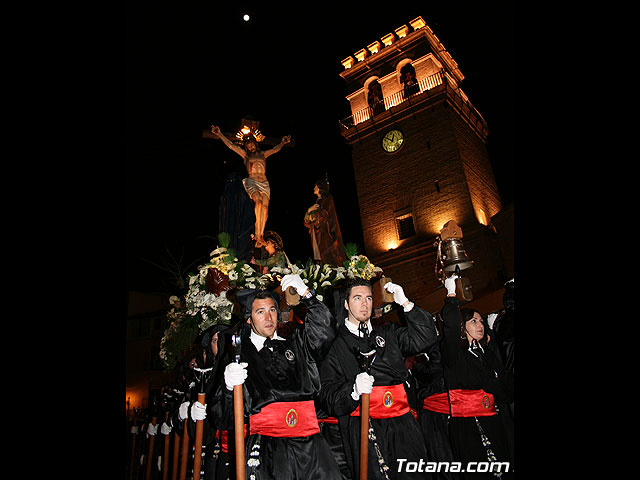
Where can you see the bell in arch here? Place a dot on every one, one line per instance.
(453, 252)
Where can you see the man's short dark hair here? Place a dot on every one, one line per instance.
(264, 294)
(356, 282)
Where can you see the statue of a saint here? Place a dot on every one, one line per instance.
(276, 257)
(324, 229)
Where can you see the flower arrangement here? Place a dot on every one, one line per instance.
(320, 278)
(179, 336)
(360, 266)
(203, 307)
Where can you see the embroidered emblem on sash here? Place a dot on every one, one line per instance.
(387, 399)
(291, 418)
(380, 341)
(486, 402)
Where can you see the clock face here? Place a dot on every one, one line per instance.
(392, 141)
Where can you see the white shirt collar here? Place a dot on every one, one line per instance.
(473, 346)
(354, 328)
(258, 340)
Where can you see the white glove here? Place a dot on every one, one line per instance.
(294, 281)
(198, 411)
(182, 411)
(491, 318)
(450, 284)
(235, 374)
(398, 295)
(165, 429)
(363, 384)
(134, 429)
(152, 430)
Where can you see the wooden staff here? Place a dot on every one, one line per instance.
(366, 359)
(176, 455)
(197, 454)
(238, 414)
(364, 435)
(185, 452)
(151, 440)
(167, 438)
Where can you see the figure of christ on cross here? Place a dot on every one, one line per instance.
(256, 184)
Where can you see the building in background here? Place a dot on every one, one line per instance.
(420, 159)
(144, 371)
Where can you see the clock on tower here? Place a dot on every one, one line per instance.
(392, 141)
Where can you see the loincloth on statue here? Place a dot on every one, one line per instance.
(252, 186)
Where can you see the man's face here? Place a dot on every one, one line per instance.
(264, 317)
(359, 304)
(252, 147)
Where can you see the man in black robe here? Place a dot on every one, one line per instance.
(280, 380)
(394, 433)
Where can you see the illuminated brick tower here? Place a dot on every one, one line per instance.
(419, 157)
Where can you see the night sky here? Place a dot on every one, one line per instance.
(191, 64)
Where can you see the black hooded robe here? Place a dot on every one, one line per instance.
(397, 437)
(287, 374)
(474, 369)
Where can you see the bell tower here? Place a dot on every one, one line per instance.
(420, 160)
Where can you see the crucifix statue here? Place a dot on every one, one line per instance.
(256, 184)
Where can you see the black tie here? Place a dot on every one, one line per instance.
(273, 343)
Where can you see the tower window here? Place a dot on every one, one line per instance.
(405, 226)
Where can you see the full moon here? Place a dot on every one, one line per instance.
(245, 17)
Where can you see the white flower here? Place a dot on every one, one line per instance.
(233, 275)
(173, 299)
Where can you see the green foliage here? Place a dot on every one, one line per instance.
(224, 239)
(351, 249)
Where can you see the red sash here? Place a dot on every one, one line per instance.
(285, 419)
(471, 403)
(438, 402)
(386, 401)
(223, 440)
